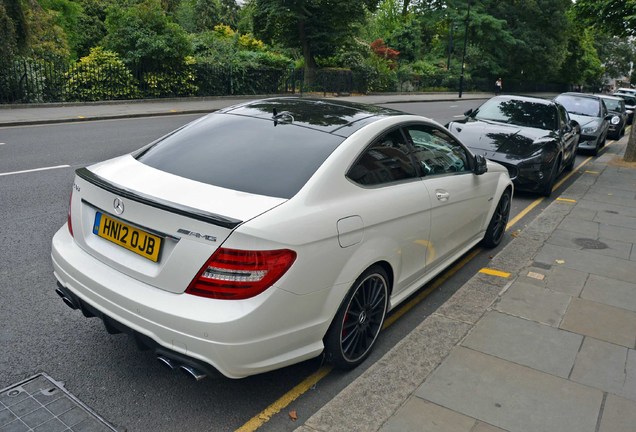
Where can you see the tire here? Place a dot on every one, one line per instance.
(355, 328)
(546, 189)
(497, 226)
(597, 148)
(570, 165)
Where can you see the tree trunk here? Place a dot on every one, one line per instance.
(310, 62)
(630, 151)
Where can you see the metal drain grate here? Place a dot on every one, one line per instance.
(40, 404)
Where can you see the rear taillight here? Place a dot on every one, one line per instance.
(232, 274)
(69, 223)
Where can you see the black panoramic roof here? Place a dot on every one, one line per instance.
(331, 116)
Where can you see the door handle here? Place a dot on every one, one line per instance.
(442, 195)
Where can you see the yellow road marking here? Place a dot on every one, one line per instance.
(436, 284)
(493, 272)
(567, 200)
(264, 416)
(523, 212)
(591, 172)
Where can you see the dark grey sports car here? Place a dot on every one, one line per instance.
(534, 138)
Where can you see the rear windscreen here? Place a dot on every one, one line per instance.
(241, 153)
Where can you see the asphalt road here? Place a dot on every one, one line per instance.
(130, 389)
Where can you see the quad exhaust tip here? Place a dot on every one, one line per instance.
(190, 371)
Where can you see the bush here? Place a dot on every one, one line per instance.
(101, 75)
(176, 82)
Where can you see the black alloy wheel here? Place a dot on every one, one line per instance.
(497, 226)
(356, 326)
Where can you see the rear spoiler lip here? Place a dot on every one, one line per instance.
(171, 207)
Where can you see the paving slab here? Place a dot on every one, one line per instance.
(596, 245)
(601, 321)
(584, 260)
(566, 281)
(619, 415)
(602, 365)
(524, 342)
(534, 303)
(611, 292)
(420, 415)
(616, 219)
(618, 233)
(510, 396)
(577, 225)
(605, 208)
(583, 213)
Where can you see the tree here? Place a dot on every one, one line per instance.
(617, 17)
(616, 54)
(145, 37)
(316, 27)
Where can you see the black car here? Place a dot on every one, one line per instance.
(534, 138)
(590, 112)
(616, 107)
(630, 105)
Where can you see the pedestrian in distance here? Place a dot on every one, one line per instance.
(498, 86)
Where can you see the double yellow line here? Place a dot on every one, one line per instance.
(308, 383)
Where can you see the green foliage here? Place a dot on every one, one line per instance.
(91, 27)
(616, 54)
(316, 27)
(17, 26)
(66, 14)
(100, 75)
(46, 39)
(616, 17)
(8, 40)
(143, 35)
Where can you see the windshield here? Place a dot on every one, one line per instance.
(580, 105)
(519, 112)
(613, 105)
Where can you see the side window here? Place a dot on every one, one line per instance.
(564, 118)
(387, 160)
(436, 152)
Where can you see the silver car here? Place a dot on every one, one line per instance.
(590, 112)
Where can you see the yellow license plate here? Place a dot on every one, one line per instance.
(129, 237)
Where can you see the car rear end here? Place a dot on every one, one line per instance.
(157, 250)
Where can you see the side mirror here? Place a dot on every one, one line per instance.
(575, 125)
(469, 112)
(481, 166)
(608, 117)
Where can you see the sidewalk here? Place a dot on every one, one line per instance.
(22, 115)
(549, 348)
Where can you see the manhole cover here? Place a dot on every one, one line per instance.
(43, 405)
(586, 243)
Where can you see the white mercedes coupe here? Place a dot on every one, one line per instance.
(270, 232)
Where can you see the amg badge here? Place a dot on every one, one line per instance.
(196, 234)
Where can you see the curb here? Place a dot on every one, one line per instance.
(399, 99)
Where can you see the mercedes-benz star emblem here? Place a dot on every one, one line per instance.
(119, 206)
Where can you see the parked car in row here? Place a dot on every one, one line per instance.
(534, 138)
(590, 112)
(616, 107)
(270, 232)
(630, 105)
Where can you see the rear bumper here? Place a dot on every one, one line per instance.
(236, 338)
